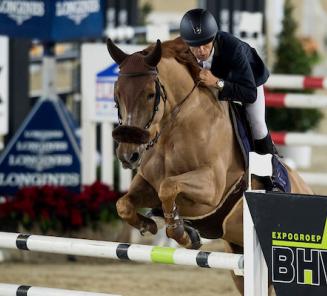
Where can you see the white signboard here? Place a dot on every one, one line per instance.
(99, 73)
(4, 58)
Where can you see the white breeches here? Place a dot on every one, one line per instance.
(256, 115)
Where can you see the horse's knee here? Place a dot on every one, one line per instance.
(168, 190)
(125, 208)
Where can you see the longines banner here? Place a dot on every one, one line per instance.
(4, 58)
(52, 20)
(292, 231)
(44, 151)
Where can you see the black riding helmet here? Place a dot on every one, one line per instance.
(198, 27)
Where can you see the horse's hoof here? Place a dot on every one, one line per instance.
(148, 226)
(194, 236)
(157, 216)
(143, 231)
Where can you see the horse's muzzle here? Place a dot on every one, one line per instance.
(131, 134)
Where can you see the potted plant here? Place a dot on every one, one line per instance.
(56, 210)
(294, 56)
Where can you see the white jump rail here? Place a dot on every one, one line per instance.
(280, 100)
(310, 139)
(24, 290)
(289, 100)
(114, 250)
(283, 81)
(318, 179)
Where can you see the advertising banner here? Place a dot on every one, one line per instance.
(4, 82)
(44, 151)
(292, 230)
(52, 20)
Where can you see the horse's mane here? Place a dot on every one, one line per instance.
(179, 50)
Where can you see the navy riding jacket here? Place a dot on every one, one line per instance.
(241, 68)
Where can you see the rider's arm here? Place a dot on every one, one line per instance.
(240, 84)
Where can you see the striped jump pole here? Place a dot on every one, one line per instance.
(296, 82)
(280, 100)
(309, 139)
(319, 179)
(22, 290)
(121, 251)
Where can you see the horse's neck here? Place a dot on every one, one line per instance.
(177, 81)
(179, 84)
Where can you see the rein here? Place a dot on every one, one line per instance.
(160, 93)
(174, 113)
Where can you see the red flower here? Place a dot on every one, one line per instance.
(45, 215)
(59, 209)
(76, 218)
(24, 206)
(6, 208)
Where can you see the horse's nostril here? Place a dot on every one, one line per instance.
(135, 157)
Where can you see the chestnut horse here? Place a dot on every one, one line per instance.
(180, 139)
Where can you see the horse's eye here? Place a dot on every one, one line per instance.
(150, 96)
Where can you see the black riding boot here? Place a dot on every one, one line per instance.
(266, 146)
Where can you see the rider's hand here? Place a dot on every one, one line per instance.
(207, 78)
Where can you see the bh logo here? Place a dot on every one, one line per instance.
(299, 258)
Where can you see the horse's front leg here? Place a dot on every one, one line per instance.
(140, 195)
(199, 186)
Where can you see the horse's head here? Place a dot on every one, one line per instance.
(138, 94)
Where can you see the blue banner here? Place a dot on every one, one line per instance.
(52, 20)
(44, 151)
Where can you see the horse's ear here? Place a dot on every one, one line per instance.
(116, 53)
(153, 58)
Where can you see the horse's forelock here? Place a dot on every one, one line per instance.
(135, 63)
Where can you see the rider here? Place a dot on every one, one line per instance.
(233, 67)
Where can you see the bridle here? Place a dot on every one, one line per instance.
(160, 93)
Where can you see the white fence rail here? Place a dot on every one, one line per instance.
(23, 290)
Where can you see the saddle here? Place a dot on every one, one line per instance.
(244, 137)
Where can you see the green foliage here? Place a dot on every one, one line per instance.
(291, 58)
(300, 120)
(145, 10)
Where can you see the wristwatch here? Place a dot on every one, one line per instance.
(220, 84)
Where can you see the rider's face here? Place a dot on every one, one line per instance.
(202, 52)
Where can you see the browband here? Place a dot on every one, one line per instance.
(134, 74)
